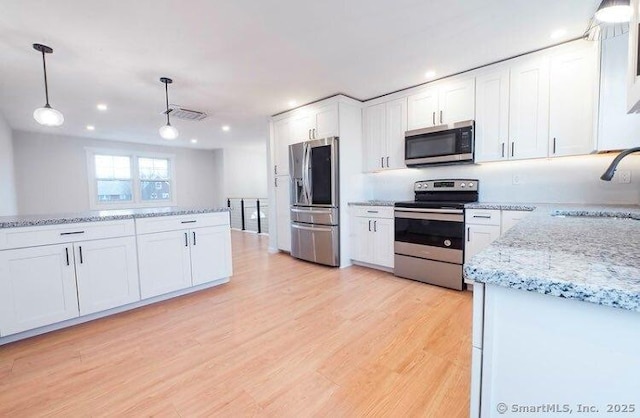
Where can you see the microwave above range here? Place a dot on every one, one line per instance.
(439, 145)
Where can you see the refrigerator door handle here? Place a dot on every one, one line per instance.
(305, 173)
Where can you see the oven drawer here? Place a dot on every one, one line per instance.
(429, 271)
(373, 211)
(482, 217)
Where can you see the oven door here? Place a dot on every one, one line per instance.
(435, 234)
(439, 146)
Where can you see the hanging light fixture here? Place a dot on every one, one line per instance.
(46, 115)
(167, 131)
(610, 20)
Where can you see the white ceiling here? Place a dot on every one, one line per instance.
(243, 60)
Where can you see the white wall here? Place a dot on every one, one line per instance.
(556, 180)
(8, 204)
(51, 172)
(245, 171)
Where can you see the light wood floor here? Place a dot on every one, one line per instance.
(284, 338)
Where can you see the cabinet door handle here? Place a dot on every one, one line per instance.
(382, 162)
(372, 211)
(441, 117)
(482, 216)
(66, 250)
(375, 226)
(71, 233)
(554, 145)
(503, 150)
(275, 170)
(81, 259)
(468, 234)
(275, 182)
(186, 239)
(314, 134)
(512, 147)
(387, 162)
(188, 222)
(369, 225)
(194, 238)
(434, 118)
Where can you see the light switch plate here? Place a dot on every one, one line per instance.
(624, 176)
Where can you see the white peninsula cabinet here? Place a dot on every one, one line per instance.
(177, 252)
(49, 274)
(372, 240)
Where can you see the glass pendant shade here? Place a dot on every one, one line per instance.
(48, 116)
(614, 11)
(168, 132)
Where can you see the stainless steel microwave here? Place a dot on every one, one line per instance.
(444, 144)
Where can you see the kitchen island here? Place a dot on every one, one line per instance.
(557, 315)
(61, 270)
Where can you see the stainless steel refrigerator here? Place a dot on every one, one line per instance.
(315, 230)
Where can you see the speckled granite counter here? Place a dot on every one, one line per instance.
(501, 206)
(96, 216)
(589, 253)
(373, 203)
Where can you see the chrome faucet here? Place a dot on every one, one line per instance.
(608, 175)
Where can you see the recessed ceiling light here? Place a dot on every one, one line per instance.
(226, 128)
(293, 103)
(91, 128)
(558, 33)
(102, 107)
(430, 74)
(194, 141)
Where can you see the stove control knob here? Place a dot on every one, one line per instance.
(447, 243)
(426, 185)
(418, 186)
(470, 184)
(462, 184)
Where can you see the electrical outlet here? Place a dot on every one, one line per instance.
(624, 176)
(517, 179)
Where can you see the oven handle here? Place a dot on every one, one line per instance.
(313, 228)
(431, 216)
(452, 211)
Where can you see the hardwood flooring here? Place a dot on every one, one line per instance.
(284, 338)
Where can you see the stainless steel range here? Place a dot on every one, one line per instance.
(430, 232)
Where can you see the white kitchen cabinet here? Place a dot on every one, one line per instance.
(529, 108)
(478, 238)
(107, 274)
(283, 212)
(37, 287)
(301, 127)
(572, 104)
(210, 254)
(443, 103)
(510, 218)
(282, 140)
(492, 116)
(178, 252)
(373, 236)
(633, 62)
(314, 123)
(326, 122)
(164, 262)
(422, 108)
(384, 128)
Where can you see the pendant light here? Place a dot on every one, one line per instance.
(610, 20)
(167, 132)
(46, 115)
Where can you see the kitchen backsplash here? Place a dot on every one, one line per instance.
(557, 180)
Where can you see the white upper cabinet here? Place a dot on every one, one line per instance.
(315, 123)
(492, 115)
(529, 108)
(573, 83)
(384, 128)
(302, 126)
(423, 108)
(326, 123)
(282, 139)
(443, 103)
(456, 101)
(374, 121)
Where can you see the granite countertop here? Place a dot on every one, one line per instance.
(103, 215)
(373, 203)
(501, 206)
(582, 252)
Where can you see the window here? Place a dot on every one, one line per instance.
(127, 180)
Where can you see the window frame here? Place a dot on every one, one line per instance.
(136, 202)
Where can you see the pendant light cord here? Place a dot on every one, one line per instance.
(46, 86)
(166, 95)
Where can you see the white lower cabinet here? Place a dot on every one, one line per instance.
(107, 274)
(478, 238)
(283, 212)
(485, 226)
(164, 262)
(372, 237)
(37, 287)
(210, 254)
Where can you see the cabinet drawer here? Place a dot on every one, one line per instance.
(173, 223)
(373, 211)
(33, 236)
(482, 217)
